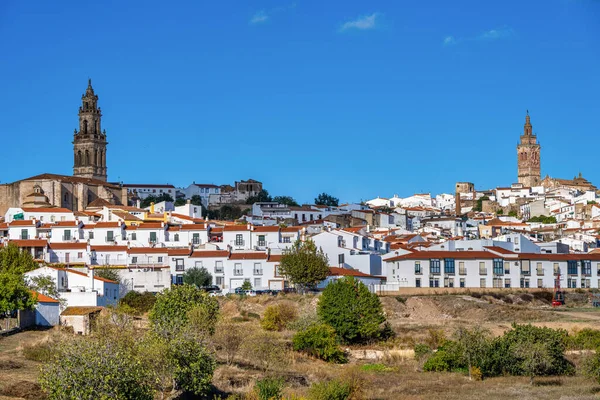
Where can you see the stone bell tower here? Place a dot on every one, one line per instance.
(89, 143)
(528, 156)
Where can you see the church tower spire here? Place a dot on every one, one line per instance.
(528, 156)
(89, 142)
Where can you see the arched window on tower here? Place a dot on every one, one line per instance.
(79, 158)
(85, 126)
(96, 158)
(102, 159)
(87, 157)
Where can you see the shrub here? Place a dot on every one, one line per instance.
(475, 373)
(320, 341)
(526, 297)
(332, 390)
(400, 299)
(591, 366)
(421, 351)
(269, 388)
(278, 316)
(375, 368)
(266, 350)
(355, 313)
(588, 339)
(449, 357)
(42, 351)
(140, 302)
(435, 338)
(229, 337)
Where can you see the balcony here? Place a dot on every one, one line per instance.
(109, 239)
(238, 272)
(68, 238)
(257, 271)
(238, 243)
(219, 270)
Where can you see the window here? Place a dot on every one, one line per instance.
(218, 267)
(461, 268)
(257, 283)
(556, 269)
(539, 269)
(482, 282)
(67, 235)
(239, 239)
(237, 269)
(179, 266)
(287, 239)
(276, 272)
(482, 269)
(572, 283)
(258, 269)
(261, 240)
(434, 282)
(572, 267)
(496, 282)
(586, 267)
(195, 238)
(91, 235)
(434, 266)
(506, 268)
(462, 282)
(449, 267)
(418, 282)
(179, 280)
(498, 266)
(340, 259)
(219, 281)
(448, 282)
(525, 267)
(418, 268)
(525, 283)
(24, 234)
(134, 260)
(80, 255)
(160, 259)
(540, 283)
(152, 237)
(507, 283)
(110, 236)
(133, 236)
(585, 283)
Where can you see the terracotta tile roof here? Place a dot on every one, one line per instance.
(209, 253)
(98, 203)
(172, 228)
(148, 186)
(126, 216)
(248, 256)
(181, 216)
(110, 224)
(216, 230)
(66, 223)
(42, 298)
(148, 250)
(337, 271)
(131, 228)
(80, 311)
(27, 222)
(108, 248)
(457, 255)
(291, 229)
(193, 227)
(179, 252)
(125, 208)
(4, 225)
(46, 210)
(68, 246)
(235, 228)
(151, 225)
(274, 258)
(88, 226)
(98, 278)
(260, 229)
(30, 242)
(499, 249)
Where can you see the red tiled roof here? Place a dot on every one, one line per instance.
(499, 249)
(275, 258)
(336, 271)
(4, 225)
(458, 255)
(216, 230)
(66, 223)
(27, 222)
(151, 225)
(210, 253)
(147, 250)
(179, 252)
(193, 227)
(42, 298)
(260, 229)
(46, 210)
(108, 224)
(30, 242)
(108, 248)
(68, 246)
(248, 256)
(289, 229)
(235, 228)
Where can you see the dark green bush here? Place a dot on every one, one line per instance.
(585, 339)
(332, 390)
(421, 350)
(140, 302)
(449, 357)
(269, 388)
(320, 341)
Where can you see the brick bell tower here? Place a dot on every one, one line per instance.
(528, 156)
(89, 143)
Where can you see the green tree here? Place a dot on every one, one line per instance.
(287, 200)
(95, 369)
(14, 292)
(319, 340)
(544, 219)
(107, 273)
(198, 277)
(591, 366)
(140, 302)
(193, 365)
(261, 197)
(474, 346)
(230, 213)
(535, 359)
(171, 310)
(479, 203)
(180, 202)
(304, 265)
(196, 200)
(14, 260)
(156, 199)
(355, 313)
(325, 199)
(246, 285)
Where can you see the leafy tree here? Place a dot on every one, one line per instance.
(304, 264)
(95, 369)
(479, 203)
(287, 200)
(535, 359)
(246, 285)
(261, 197)
(107, 273)
(278, 316)
(156, 199)
(543, 219)
(512, 213)
(172, 307)
(192, 364)
(230, 213)
(591, 366)
(180, 202)
(140, 302)
(198, 277)
(14, 292)
(45, 285)
(269, 388)
(229, 338)
(196, 200)
(325, 199)
(355, 313)
(319, 340)
(475, 344)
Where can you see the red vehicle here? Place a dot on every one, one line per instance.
(558, 297)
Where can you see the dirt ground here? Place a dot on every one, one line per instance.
(411, 318)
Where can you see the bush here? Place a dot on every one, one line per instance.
(591, 367)
(447, 358)
(585, 339)
(269, 388)
(140, 302)
(266, 350)
(228, 338)
(476, 374)
(421, 351)
(375, 368)
(355, 313)
(41, 352)
(320, 341)
(332, 390)
(400, 299)
(435, 338)
(278, 316)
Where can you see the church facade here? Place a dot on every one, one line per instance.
(89, 180)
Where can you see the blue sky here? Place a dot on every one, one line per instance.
(358, 99)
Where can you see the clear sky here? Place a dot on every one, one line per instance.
(356, 98)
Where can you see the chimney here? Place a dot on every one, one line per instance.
(91, 278)
(188, 201)
(152, 208)
(138, 203)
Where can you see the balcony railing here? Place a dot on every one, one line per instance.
(238, 272)
(219, 270)
(258, 271)
(109, 239)
(238, 243)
